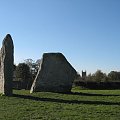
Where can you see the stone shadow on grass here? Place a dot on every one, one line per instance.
(65, 101)
(91, 94)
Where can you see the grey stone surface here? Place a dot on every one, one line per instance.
(55, 74)
(6, 66)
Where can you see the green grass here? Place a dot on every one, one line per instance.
(81, 105)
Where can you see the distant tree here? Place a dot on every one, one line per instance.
(29, 62)
(114, 76)
(23, 74)
(38, 62)
(78, 77)
(99, 76)
(34, 66)
(89, 77)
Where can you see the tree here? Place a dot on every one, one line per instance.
(114, 76)
(23, 74)
(34, 66)
(99, 76)
(29, 62)
(89, 78)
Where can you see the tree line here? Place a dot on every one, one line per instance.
(25, 73)
(99, 76)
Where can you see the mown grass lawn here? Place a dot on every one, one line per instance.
(80, 105)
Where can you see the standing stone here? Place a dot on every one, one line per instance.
(54, 75)
(6, 66)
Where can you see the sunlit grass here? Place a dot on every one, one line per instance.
(79, 105)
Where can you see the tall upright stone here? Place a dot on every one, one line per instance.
(54, 75)
(6, 66)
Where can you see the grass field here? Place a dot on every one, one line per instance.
(79, 105)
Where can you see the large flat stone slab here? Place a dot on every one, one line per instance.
(55, 74)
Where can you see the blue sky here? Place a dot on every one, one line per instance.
(87, 32)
